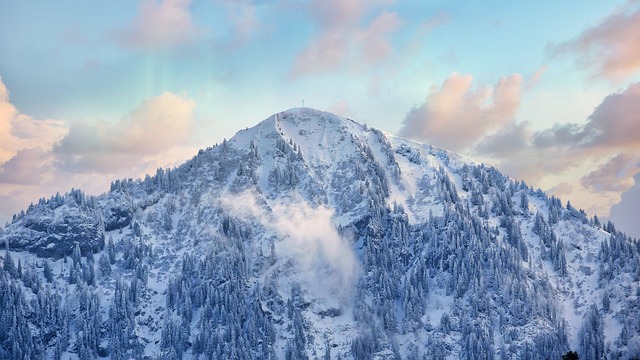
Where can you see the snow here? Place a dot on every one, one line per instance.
(310, 182)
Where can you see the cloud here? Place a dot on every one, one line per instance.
(244, 20)
(342, 37)
(609, 49)
(535, 78)
(506, 141)
(341, 108)
(610, 132)
(433, 22)
(625, 213)
(41, 157)
(482, 122)
(375, 37)
(159, 25)
(562, 189)
(19, 131)
(456, 115)
(155, 126)
(616, 121)
(30, 166)
(614, 124)
(616, 175)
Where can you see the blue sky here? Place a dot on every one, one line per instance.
(544, 90)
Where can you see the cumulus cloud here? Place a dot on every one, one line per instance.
(625, 213)
(342, 38)
(30, 166)
(562, 189)
(616, 121)
(41, 157)
(159, 25)
(19, 131)
(482, 122)
(610, 132)
(457, 115)
(614, 124)
(155, 126)
(609, 49)
(614, 175)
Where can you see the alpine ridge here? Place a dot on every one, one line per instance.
(312, 236)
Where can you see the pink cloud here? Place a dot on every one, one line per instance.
(159, 25)
(611, 132)
(323, 53)
(533, 81)
(341, 108)
(456, 115)
(19, 131)
(336, 14)
(39, 158)
(341, 38)
(29, 166)
(610, 49)
(616, 121)
(482, 121)
(613, 125)
(155, 126)
(432, 22)
(615, 175)
(562, 189)
(375, 38)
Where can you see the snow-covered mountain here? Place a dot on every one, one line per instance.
(313, 236)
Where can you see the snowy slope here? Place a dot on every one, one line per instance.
(313, 236)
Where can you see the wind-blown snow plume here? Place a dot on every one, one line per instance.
(325, 261)
(328, 264)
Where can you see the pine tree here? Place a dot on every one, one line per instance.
(104, 265)
(48, 273)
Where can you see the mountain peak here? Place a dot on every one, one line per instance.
(313, 234)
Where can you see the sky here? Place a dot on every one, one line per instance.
(546, 91)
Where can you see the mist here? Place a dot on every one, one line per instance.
(324, 262)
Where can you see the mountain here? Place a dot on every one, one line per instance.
(312, 236)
